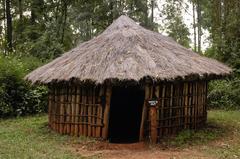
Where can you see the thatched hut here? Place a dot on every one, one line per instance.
(128, 84)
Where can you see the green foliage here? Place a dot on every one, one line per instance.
(224, 94)
(221, 19)
(18, 97)
(45, 47)
(29, 137)
(174, 24)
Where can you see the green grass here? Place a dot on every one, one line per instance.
(29, 137)
(228, 146)
(219, 139)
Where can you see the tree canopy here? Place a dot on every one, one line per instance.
(41, 30)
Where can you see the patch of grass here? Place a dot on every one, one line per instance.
(219, 139)
(229, 145)
(188, 138)
(29, 137)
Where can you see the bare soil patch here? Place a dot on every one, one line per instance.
(139, 150)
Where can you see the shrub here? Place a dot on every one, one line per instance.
(17, 97)
(224, 94)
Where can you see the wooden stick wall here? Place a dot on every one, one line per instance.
(180, 106)
(76, 110)
(84, 110)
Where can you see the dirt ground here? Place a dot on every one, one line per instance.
(140, 150)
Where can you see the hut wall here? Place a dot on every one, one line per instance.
(78, 110)
(172, 107)
(84, 110)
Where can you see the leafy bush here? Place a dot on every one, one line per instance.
(224, 94)
(17, 97)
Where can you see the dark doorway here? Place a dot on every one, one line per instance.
(125, 114)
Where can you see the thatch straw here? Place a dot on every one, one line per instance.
(127, 51)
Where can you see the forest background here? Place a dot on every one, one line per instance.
(34, 32)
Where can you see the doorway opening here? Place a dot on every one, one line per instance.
(125, 114)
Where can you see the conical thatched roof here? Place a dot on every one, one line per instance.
(127, 51)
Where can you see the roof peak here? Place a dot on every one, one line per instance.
(122, 22)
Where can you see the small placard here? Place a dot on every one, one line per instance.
(152, 102)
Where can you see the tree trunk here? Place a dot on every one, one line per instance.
(20, 10)
(199, 19)
(64, 20)
(152, 11)
(194, 27)
(216, 25)
(111, 11)
(4, 24)
(9, 26)
(146, 14)
(33, 14)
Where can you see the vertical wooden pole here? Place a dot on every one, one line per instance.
(61, 111)
(68, 104)
(144, 114)
(84, 96)
(198, 101)
(153, 124)
(77, 111)
(190, 105)
(55, 108)
(99, 113)
(106, 111)
(175, 108)
(90, 111)
(94, 113)
(196, 104)
(73, 108)
(80, 126)
(50, 107)
(157, 94)
(202, 102)
(171, 109)
(185, 104)
(58, 108)
(64, 94)
(181, 105)
(161, 115)
(205, 102)
(166, 110)
(162, 129)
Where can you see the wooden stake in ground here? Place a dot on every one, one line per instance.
(106, 112)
